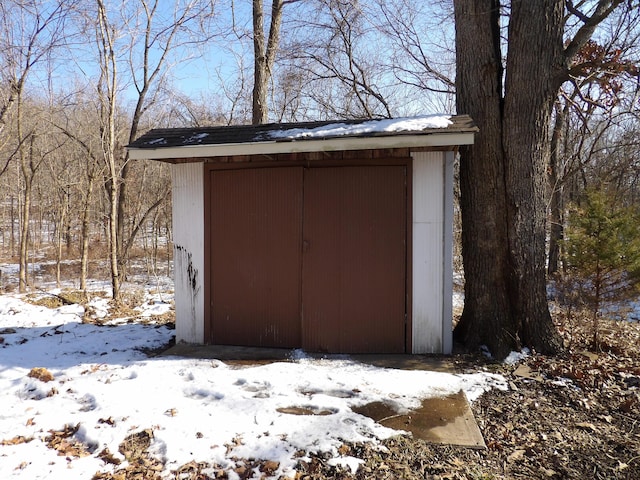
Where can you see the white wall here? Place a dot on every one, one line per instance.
(188, 250)
(432, 255)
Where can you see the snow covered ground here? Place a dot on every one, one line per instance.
(202, 410)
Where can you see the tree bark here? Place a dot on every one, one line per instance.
(264, 56)
(556, 191)
(503, 178)
(27, 177)
(531, 88)
(86, 210)
(486, 319)
(107, 90)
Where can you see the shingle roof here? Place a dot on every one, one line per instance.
(182, 144)
(238, 134)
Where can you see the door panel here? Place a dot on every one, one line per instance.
(354, 260)
(256, 232)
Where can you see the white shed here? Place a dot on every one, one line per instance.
(328, 236)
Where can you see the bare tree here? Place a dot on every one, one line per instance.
(338, 49)
(141, 57)
(264, 54)
(186, 28)
(593, 101)
(31, 32)
(422, 56)
(80, 125)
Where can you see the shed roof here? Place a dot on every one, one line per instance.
(420, 131)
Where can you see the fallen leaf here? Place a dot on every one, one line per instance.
(107, 457)
(515, 456)
(587, 426)
(621, 466)
(627, 405)
(269, 467)
(17, 440)
(109, 421)
(62, 441)
(41, 374)
(344, 450)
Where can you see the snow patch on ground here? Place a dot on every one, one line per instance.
(202, 410)
(517, 357)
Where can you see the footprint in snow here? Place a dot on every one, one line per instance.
(88, 403)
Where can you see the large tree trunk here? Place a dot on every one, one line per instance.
(259, 66)
(486, 319)
(531, 87)
(503, 173)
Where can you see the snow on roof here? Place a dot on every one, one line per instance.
(405, 124)
(168, 144)
(196, 138)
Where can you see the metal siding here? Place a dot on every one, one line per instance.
(188, 250)
(447, 249)
(256, 222)
(428, 251)
(354, 260)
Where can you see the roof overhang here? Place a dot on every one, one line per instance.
(418, 140)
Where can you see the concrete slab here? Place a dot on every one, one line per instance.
(237, 355)
(445, 420)
(448, 420)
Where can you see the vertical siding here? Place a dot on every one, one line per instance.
(428, 309)
(354, 259)
(447, 255)
(255, 251)
(188, 250)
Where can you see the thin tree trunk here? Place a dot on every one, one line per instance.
(113, 236)
(24, 235)
(107, 89)
(60, 233)
(556, 192)
(264, 56)
(84, 259)
(123, 253)
(12, 239)
(26, 206)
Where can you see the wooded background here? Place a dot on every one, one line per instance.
(80, 80)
